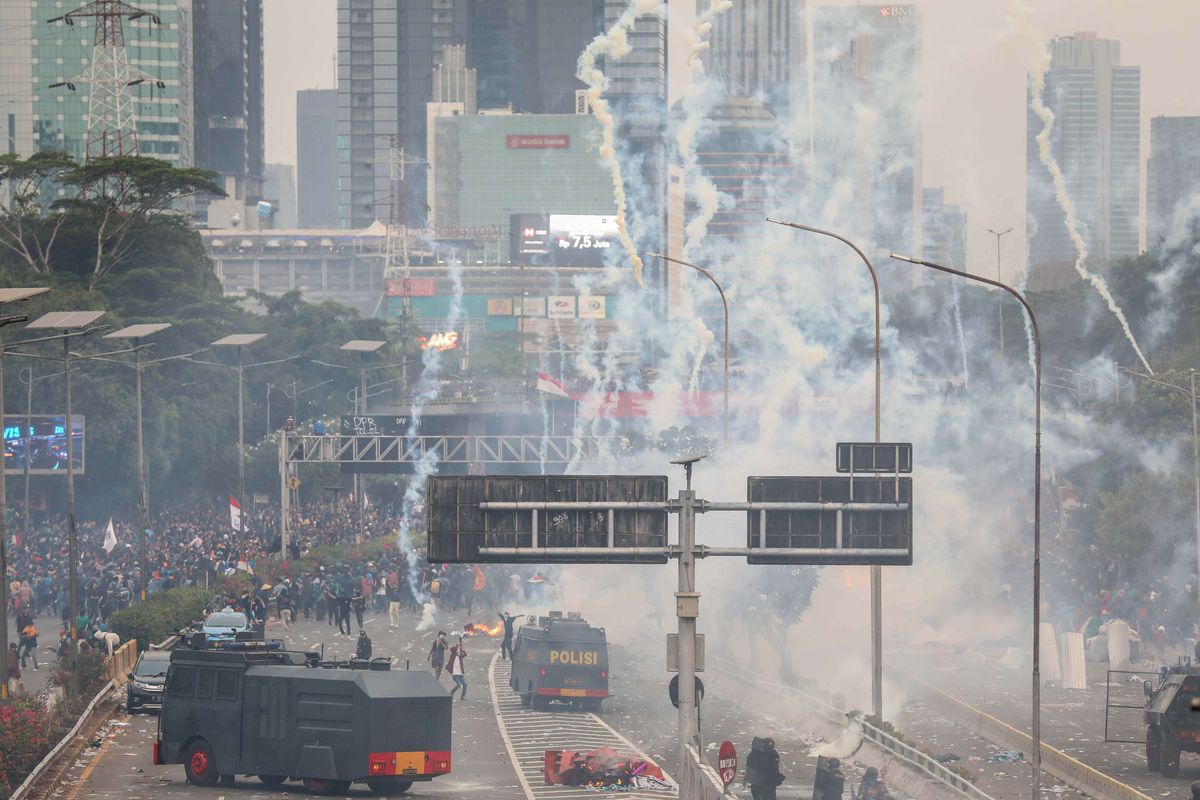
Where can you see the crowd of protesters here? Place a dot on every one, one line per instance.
(197, 547)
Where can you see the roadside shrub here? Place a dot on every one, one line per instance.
(24, 740)
(162, 615)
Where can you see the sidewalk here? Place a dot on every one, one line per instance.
(48, 627)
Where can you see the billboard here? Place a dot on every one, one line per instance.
(563, 240)
(42, 445)
(827, 535)
(458, 527)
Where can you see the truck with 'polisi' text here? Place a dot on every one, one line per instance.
(562, 659)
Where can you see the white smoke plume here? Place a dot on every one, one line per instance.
(1020, 12)
(413, 504)
(614, 44)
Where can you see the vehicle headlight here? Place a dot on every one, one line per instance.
(146, 687)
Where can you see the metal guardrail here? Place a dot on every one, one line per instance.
(915, 759)
(45, 764)
(126, 652)
(1075, 773)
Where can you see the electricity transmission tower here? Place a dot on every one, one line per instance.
(112, 124)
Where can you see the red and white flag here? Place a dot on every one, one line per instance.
(235, 514)
(550, 386)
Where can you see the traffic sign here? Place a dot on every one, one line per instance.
(615, 519)
(858, 457)
(845, 520)
(727, 762)
(293, 483)
(673, 690)
(673, 652)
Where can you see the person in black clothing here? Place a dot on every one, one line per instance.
(762, 769)
(343, 614)
(871, 787)
(359, 602)
(364, 646)
(830, 782)
(506, 644)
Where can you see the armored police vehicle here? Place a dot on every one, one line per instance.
(1172, 717)
(561, 659)
(246, 709)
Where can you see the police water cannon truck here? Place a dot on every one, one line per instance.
(246, 708)
(562, 659)
(1172, 716)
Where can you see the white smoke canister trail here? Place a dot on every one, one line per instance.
(614, 43)
(426, 465)
(1019, 13)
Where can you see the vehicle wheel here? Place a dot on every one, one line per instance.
(130, 710)
(389, 785)
(200, 764)
(322, 786)
(526, 700)
(1153, 749)
(1170, 758)
(272, 780)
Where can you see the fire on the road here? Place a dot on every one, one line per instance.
(483, 629)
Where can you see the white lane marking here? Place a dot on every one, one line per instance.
(528, 734)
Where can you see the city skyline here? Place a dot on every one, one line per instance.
(978, 157)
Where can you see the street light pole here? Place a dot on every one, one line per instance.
(72, 555)
(141, 478)
(725, 343)
(876, 570)
(241, 372)
(999, 277)
(1036, 760)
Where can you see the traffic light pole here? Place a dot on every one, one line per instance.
(687, 609)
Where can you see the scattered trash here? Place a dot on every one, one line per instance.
(1006, 757)
(947, 758)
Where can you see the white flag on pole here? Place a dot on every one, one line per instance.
(110, 537)
(235, 514)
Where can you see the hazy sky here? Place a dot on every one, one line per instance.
(973, 81)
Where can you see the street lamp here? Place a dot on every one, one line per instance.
(8, 296)
(1190, 394)
(876, 570)
(240, 340)
(725, 345)
(1037, 506)
(999, 277)
(72, 324)
(136, 333)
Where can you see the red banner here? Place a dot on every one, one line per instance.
(412, 287)
(538, 141)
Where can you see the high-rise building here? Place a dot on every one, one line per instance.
(387, 50)
(316, 158)
(866, 133)
(944, 230)
(1096, 141)
(37, 53)
(1172, 173)
(489, 167)
(756, 49)
(525, 52)
(227, 85)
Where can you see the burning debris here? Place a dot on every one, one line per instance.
(603, 769)
(483, 629)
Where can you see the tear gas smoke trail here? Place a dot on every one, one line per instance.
(1068, 208)
(614, 43)
(426, 391)
(962, 339)
(696, 105)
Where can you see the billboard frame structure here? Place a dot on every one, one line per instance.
(20, 421)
